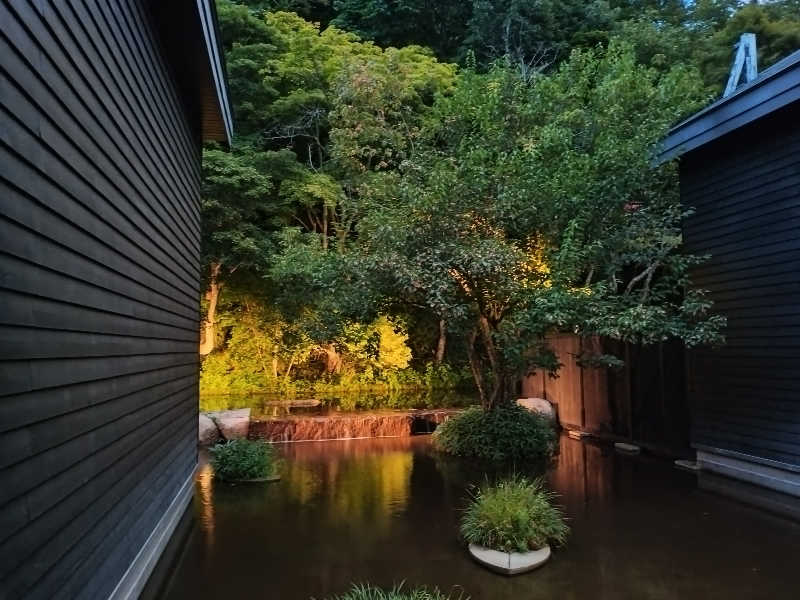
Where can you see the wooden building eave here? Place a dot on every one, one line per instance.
(191, 44)
(774, 89)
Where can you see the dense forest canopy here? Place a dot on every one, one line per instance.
(423, 190)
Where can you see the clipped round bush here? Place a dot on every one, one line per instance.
(504, 434)
(368, 592)
(242, 459)
(515, 515)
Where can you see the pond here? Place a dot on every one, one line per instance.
(386, 510)
(281, 405)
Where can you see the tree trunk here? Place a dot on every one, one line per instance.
(476, 366)
(324, 226)
(502, 385)
(442, 345)
(209, 340)
(288, 370)
(333, 360)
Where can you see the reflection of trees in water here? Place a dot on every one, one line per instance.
(362, 485)
(356, 482)
(205, 502)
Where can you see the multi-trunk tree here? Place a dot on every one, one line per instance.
(492, 207)
(533, 206)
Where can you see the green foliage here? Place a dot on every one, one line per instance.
(533, 206)
(263, 351)
(439, 25)
(529, 32)
(242, 459)
(657, 44)
(509, 434)
(365, 591)
(318, 11)
(535, 35)
(507, 201)
(238, 214)
(433, 385)
(515, 515)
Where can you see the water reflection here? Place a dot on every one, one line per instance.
(361, 482)
(279, 405)
(204, 500)
(387, 510)
(583, 473)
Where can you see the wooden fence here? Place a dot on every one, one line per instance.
(644, 401)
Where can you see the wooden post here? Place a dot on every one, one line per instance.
(628, 387)
(746, 60)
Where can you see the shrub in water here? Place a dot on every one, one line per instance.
(504, 434)
(516, 515)
(242, 459)
(368, 592)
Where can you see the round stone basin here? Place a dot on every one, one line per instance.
(269, 478)
(509, 563)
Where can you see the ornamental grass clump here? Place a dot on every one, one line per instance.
(365, 591)
(239, 460)
(510, 434)
(515, 515)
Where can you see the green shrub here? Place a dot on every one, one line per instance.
(242, 459)
(368, 592)
(507, 434)
(516, 515)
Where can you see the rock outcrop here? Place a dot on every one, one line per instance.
(232, 424)
(207, 433)
(540, 406)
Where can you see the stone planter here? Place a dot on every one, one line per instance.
(509, 563)
(273, 477)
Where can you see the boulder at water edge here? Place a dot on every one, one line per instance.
(232, 424)
(208, 434)
(540, 406)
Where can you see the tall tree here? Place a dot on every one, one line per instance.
(535, 34)
(534, 207)
(240, 216)
(440, 25)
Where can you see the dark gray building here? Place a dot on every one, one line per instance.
(740, 170)
(103, 108)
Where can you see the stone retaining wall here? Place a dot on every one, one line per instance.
(348, 425)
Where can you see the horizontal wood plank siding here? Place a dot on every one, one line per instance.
(745, 189)
(99, 290)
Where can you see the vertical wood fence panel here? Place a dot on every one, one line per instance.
(645, 401)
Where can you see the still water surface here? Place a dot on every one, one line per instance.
(386, 510)
(277, 405)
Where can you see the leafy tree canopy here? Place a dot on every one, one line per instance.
(533, 207)
(371, 180)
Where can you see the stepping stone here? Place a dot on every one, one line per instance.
(687, 465)
(627, 448)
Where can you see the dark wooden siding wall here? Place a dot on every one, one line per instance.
(99, 247)
(746, 191)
